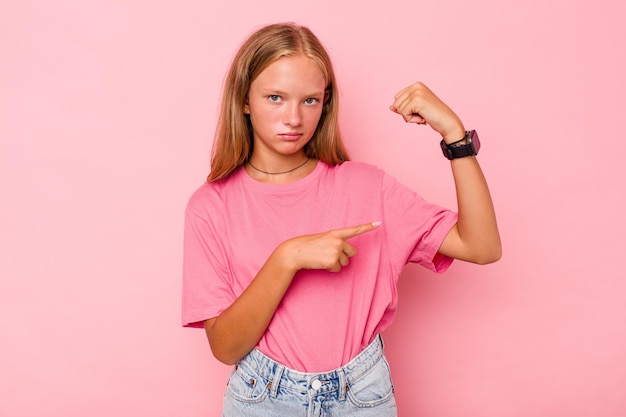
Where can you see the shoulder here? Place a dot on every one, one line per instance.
(356, 177)
(210, 195)
(358, 170)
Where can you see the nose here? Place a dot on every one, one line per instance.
(292, 116)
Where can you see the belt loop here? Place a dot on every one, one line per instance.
(342, 384)
(276, 380)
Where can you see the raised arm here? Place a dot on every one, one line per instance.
(475, 237)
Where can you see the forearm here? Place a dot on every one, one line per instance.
(237, 330)
(478, 234)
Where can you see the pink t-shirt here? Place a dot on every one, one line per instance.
(325, 318)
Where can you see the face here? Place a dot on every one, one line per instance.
(285, 104)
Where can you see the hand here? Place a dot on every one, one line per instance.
(418, 104)
(329, 250)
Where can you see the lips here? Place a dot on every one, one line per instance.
(290, 136)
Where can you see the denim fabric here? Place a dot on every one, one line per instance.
(261, 387)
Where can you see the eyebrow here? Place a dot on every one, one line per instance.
(282, 93)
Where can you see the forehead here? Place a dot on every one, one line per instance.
(291, 71)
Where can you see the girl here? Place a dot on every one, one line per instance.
(292, 253)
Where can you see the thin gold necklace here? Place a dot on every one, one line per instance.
(281, 172)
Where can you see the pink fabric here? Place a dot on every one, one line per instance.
(325, 318)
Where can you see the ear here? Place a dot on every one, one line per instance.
(246, 107)
(326, 96)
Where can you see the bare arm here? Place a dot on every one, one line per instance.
(475, 237)
(237, 330)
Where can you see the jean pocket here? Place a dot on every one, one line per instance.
(246, 386)
(374, 388)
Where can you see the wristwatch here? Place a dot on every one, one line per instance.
(459, 150)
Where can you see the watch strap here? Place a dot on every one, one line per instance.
(458, 150)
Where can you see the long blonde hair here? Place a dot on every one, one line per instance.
(233, 137)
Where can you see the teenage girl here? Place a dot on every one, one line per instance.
(292, 252)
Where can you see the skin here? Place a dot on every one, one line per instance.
(285, 104)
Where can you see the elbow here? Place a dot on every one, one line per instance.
(225, 357)
(490, 250)
(221, 350)
(485, 260)
(490, 256)
(224, 353)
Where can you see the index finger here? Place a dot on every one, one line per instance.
(352, 231)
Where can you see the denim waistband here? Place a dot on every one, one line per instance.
(277, 375)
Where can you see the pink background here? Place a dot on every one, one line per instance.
(106, 116)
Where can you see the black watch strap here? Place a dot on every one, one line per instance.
(458, 150)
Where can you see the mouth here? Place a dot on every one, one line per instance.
(291, 136)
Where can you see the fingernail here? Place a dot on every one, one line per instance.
(376, 223)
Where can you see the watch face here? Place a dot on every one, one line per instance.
(473, 139)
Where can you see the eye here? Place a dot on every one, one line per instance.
(311, 100)
(274, 98)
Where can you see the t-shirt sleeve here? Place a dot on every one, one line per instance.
(416, 227)
(206, 287)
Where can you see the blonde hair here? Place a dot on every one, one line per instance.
(233, 137)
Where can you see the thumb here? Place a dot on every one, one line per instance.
(352, 231)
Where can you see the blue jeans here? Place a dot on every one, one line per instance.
(261, 387)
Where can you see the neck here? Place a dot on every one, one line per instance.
(278, 171)
(281, 174)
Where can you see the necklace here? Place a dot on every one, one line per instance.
(281, 172)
